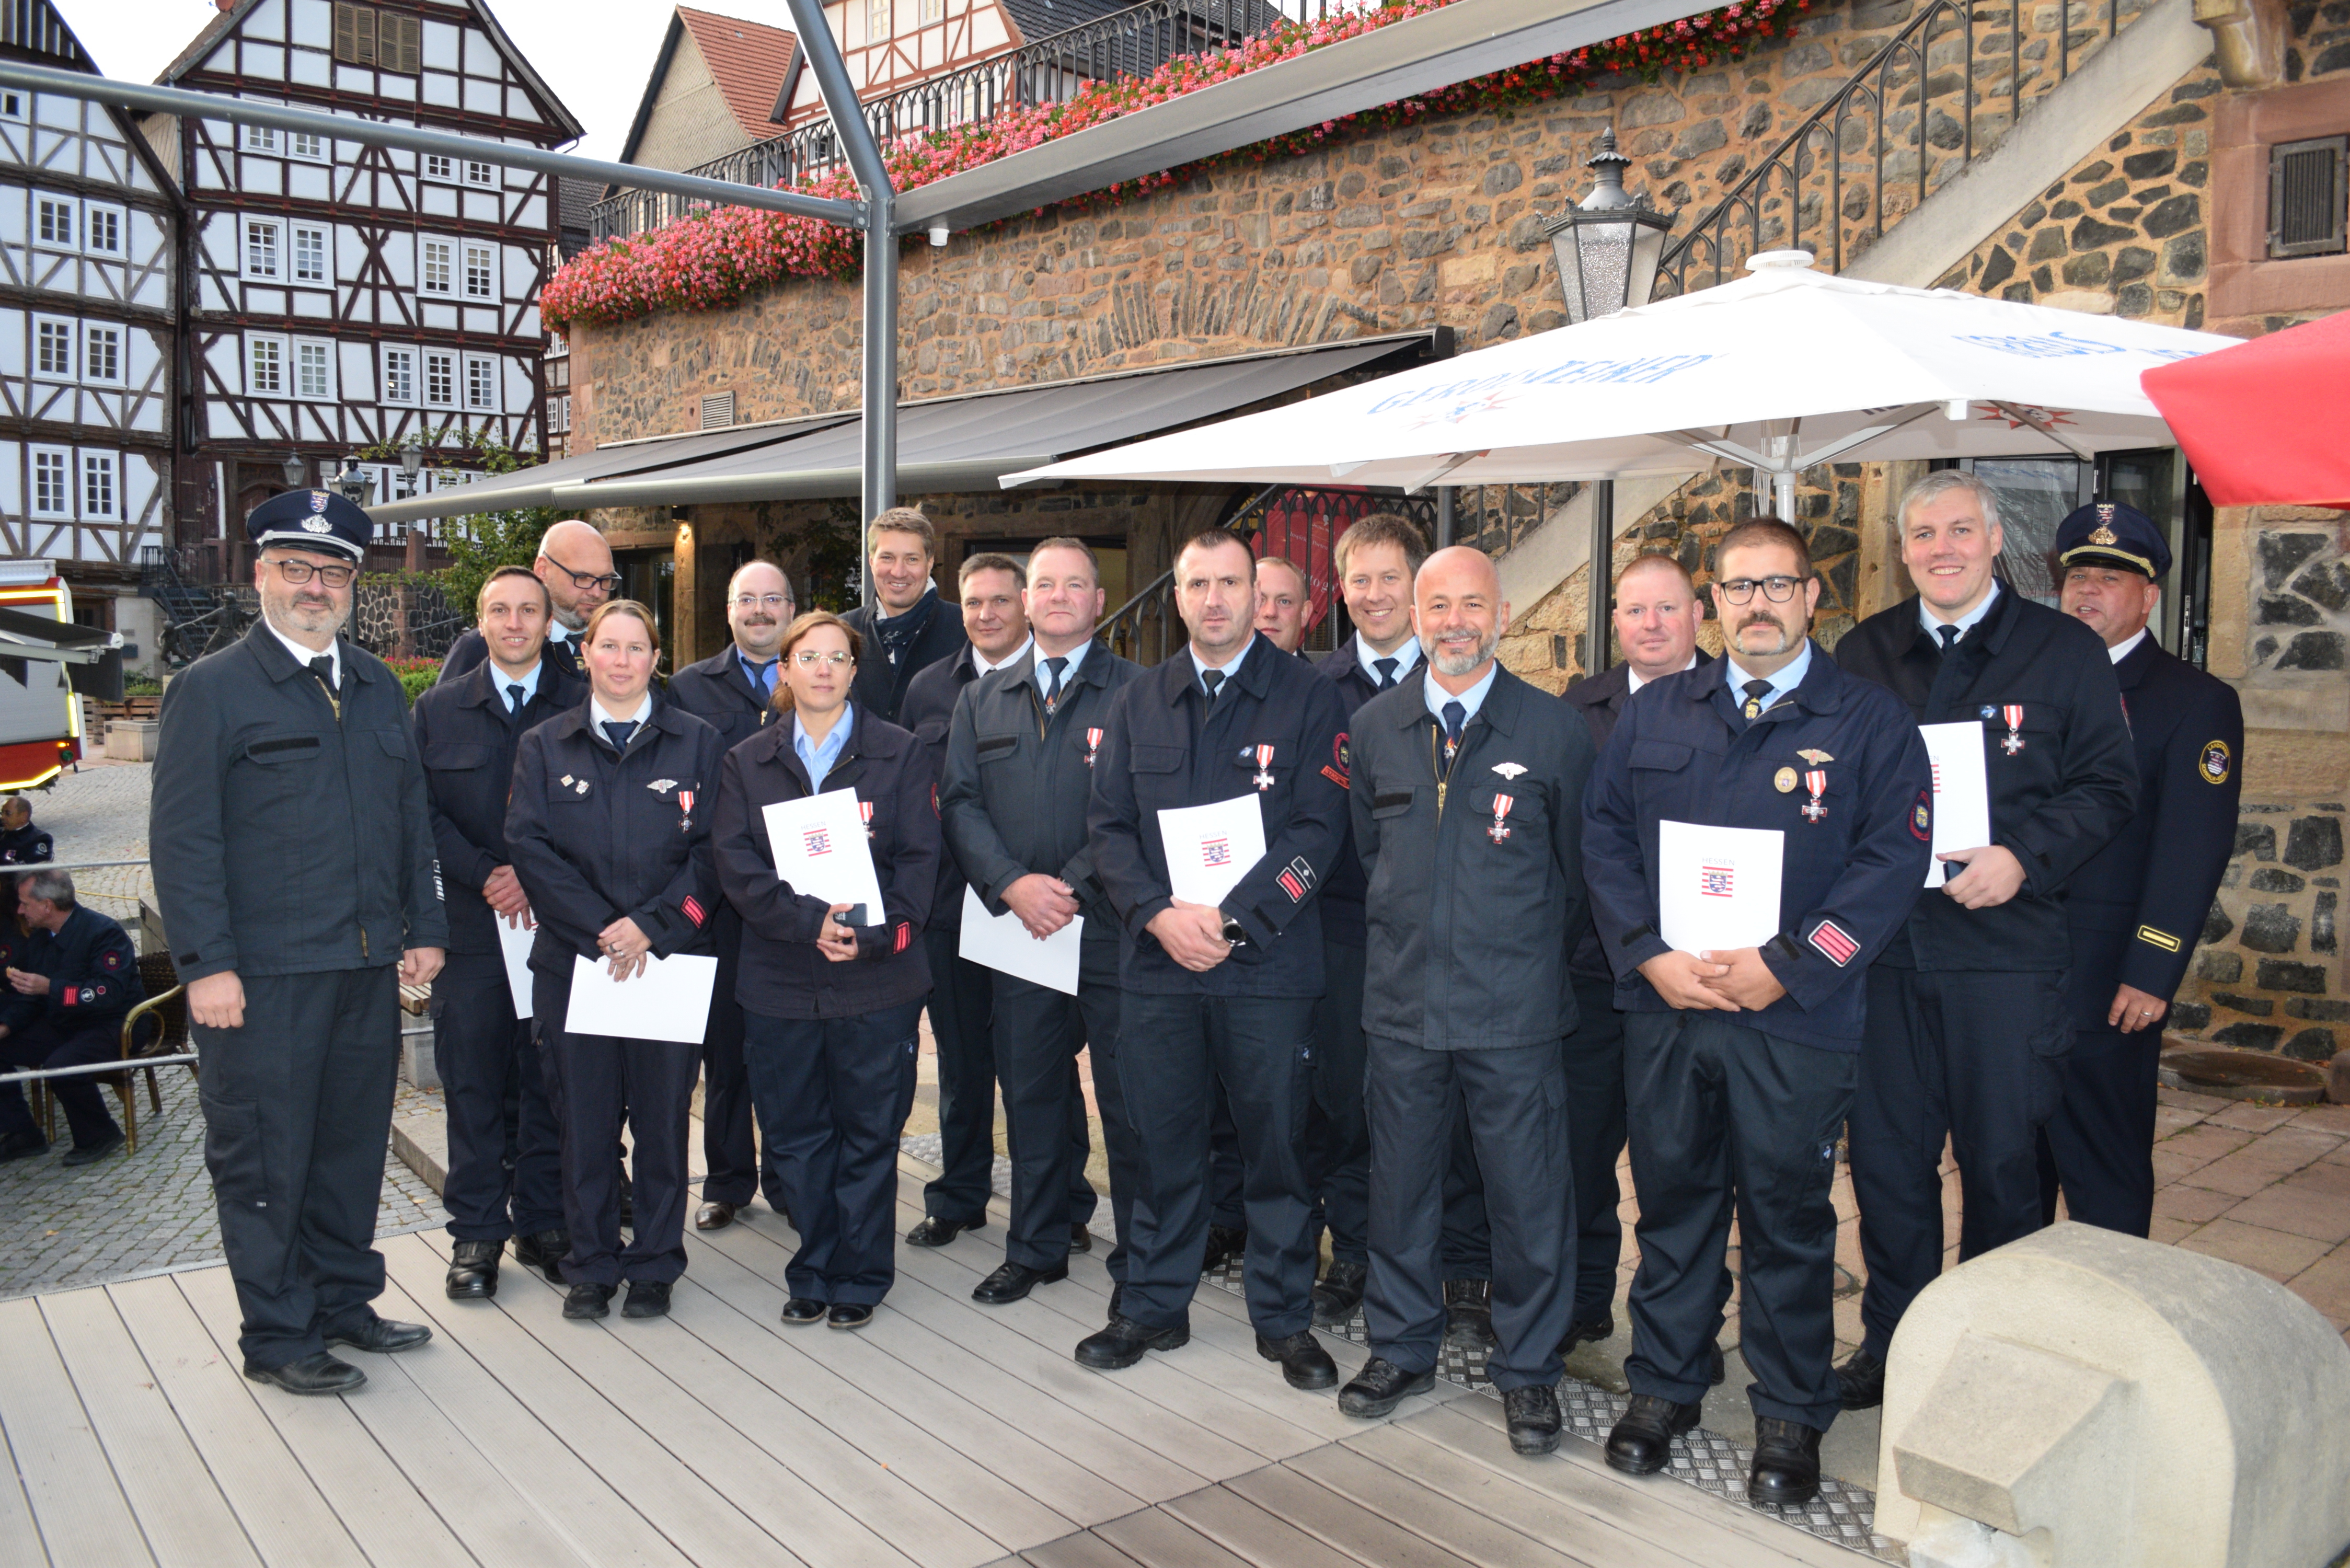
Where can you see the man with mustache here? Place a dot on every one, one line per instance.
(576, 564)
(733, 691)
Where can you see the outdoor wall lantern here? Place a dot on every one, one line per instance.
(357, 483)
(411, 455)
(296, 471)
(1608, 248)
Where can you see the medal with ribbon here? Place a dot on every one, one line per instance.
(685, 808)
(1816, 781)
(1093, 744)
(1500, 831)
(1263, 780)
(2014, 714)
(865, 811)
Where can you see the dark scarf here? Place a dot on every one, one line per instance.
(897, 633)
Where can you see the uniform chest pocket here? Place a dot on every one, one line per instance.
(449, 757)
(394, 744)
(932, 732)
(996, 748)
(1268, 764)
(1509, 809)
(279, 751)
(1664, 756)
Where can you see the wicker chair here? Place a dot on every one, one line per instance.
(164, 1019)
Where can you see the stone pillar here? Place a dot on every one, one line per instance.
(685, 612)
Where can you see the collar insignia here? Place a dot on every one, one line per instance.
(1509, 770)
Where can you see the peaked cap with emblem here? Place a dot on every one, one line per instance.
(311, 520)
(2107, 533)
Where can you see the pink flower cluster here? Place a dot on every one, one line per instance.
(713, 258)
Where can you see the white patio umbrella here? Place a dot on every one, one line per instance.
(1780, 371)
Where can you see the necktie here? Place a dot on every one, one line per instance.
(620, 730)
(1455, 715)
(1387, 669)
(1756, 691)
(762, 676)
(323, 666)
(1052, 668)
(1949, 636)
(513, 699)
(1212, 680)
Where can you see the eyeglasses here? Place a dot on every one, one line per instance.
(300, 572)
(1777, 589)
(768, 602)
(809, 658)
(609, 582)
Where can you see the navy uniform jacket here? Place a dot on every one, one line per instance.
(1600, 700)
(2055, 799)
(783, 975)
(1475, 870)
(596, 833)
(285, 837)
(1342, 899)
(26, 845)
(717, 693)
(928, 714)
(468, 739)
(93, 971)
(470, 652)
(880, 686)
(1017, 782)
(1277, 716)
(1847, 880)
(2137, 908)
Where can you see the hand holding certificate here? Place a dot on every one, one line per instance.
(820, 848)
(1718, 887)
(1210, 847)
(669, 999)
(1962, 794)
(1001, 943)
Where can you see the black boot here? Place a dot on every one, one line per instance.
(1534, 1419)
(1123, 1342)
(1469, 1313)
(1339, 1293)
(1642, 1441)
(474, 1270)
(1786, 1471)
(1303, 1363)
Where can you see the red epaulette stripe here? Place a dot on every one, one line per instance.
(692, 907)
(905, 936)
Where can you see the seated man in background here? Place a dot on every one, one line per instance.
(71, 978)
(22, 844)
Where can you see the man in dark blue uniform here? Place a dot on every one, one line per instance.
(22, 844)
(909, 627)
(1019, 770)
(963, 993)
(505, 1152)
(1739, 1063)
(293, 862)
(2135, 908)
(733, 691)
(1220, 991)
(1968, 1022)
(576, 563)
(71, 978)
(1466, 994)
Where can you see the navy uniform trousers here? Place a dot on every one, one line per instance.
(2102, 1130)
(735, 1167)
(962, 997)
(505, 1153)
(298, 1113)
(1038, 1033)
(43, 1044)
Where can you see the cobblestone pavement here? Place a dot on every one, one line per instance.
(100, 814)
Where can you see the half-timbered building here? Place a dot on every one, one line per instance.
(891, 45)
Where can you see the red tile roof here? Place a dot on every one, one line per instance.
(749, 59)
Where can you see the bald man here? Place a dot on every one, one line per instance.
(576, 564)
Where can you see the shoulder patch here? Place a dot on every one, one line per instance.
(1339, 769)
(1832, 943)
(2215, 762)
(1921, 819)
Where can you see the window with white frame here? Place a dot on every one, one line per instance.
(306, 145)
(480, 384)
(933, 11)
(262, 239)
(400, 376)
(876, 16)
(440, 166)
(440, 379)
(261, 139)
(102, 354)
(438, 260)
(101, 229)
(264, 366)
(52, 484)
(52, 348)
(480, 174)
(309, 253)
(314, 369)
(53, 222)
(101, 489)
(480, 273)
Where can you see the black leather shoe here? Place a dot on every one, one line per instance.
(586, 1301)
(91, 1153)
(1117, 1297)
(382, 1335)
(1786, 1471)
(1080, 1239)
(1122, 1343)
(544, 1250)
(1380, 1387)
(1642, 1441)
(849, 1314)
(714, 1216)
(803, 1310)
(1587, 1331)
(22, 1145)
(1469, 1313)
(647, 1298)
(1226, 1242)
(1534, 1418)
(316, 1373)
(1303, 1363)
(1717, 1365)
(1860, 1382)
(474, 1270)
(935, 1232)
(1013, 1281)
(1338, 1292)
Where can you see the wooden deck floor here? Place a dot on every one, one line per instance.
(947, 1435)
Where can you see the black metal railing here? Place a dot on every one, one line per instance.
(199, 617)
(1135, 41)
(1941, 94)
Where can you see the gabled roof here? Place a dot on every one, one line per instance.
(749, 61)
(34, 27)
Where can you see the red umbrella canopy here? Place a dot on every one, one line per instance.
(2268, 423)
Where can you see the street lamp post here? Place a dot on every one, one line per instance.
(296, 471)
(1607, 247)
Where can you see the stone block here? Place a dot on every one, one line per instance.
(2313, 842)
(2085, 1399)
(417, 1063)
(131, 739)
(2338, 1078)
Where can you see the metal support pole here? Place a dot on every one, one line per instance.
(1603, 576)
(1444, 517)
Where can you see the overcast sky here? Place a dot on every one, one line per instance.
(595, 54)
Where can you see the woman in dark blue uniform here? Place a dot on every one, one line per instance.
(831, 1006)
(608, 830)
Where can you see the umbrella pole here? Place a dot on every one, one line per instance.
(1603, 573)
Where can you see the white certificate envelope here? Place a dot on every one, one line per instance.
(820, 848)
(1718, 887)
(1001, 943)
(1961, 792)
(515, 941)
(669, 1000)
(1210, 847)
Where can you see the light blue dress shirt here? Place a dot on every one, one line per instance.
(1965, 623)
(818, 758)
(1789, 677)
(1470, 700)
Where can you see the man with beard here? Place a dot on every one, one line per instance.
(907, 628)
(293, 865)
(733, 691)
(576, 564)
